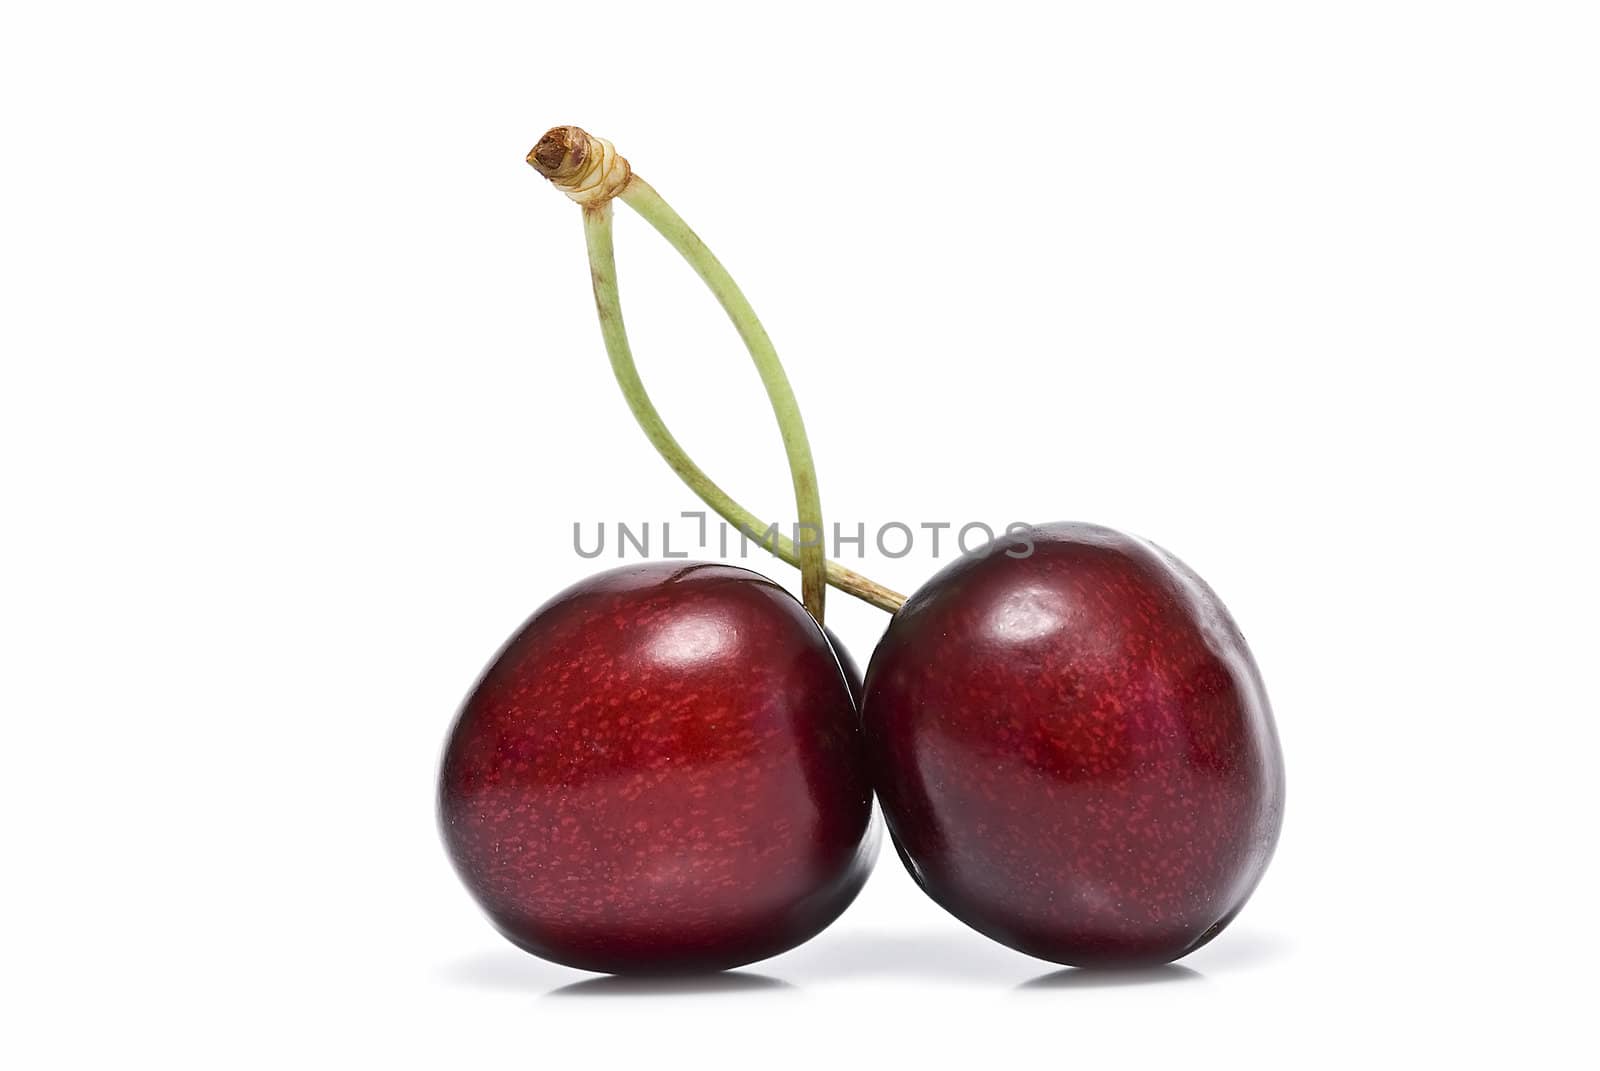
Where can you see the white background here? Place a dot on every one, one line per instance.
(303, 392)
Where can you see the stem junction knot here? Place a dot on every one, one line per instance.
(582, 166)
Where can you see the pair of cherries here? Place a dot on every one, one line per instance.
(671, 766)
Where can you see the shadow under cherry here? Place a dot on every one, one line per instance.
(669, 985)
(1103, 978)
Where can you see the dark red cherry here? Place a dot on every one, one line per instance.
(661, 771)
(1074, 750)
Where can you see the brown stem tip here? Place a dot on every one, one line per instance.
(582, 166)
(559, 145)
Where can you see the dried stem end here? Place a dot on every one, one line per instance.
(582, 166)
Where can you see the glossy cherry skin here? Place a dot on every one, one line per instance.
(661, 771)
(1073, 749)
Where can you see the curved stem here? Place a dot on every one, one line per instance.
(643, 199)
(603, 271)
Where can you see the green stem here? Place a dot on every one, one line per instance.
(603, 270)
(643, 199)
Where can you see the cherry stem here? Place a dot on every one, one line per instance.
(643, 199)
(597, 220)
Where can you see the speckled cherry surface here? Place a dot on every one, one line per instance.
(661, 771)
(1074, 750)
